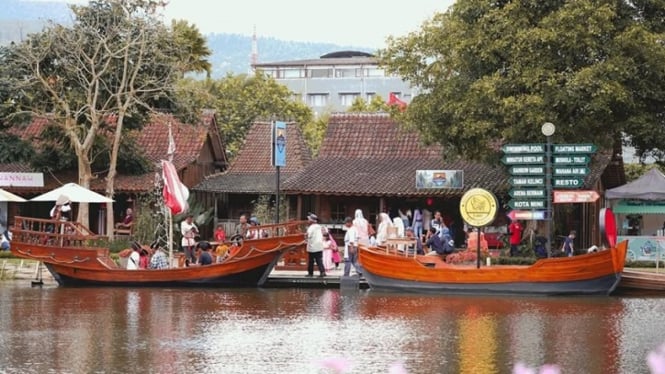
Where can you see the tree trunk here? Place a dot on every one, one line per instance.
(85, 176)
(110, 178)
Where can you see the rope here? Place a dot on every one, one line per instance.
(253, 249)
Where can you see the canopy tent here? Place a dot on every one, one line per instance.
(75, 193)
(650, 186)
(6, 196)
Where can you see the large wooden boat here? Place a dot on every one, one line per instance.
(590, 274)
(77, 257)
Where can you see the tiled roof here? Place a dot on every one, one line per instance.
(251, 171)
(369, 155)
(153, 140)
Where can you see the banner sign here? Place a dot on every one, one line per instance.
(22, 179)
(439, 179)
(278, 144)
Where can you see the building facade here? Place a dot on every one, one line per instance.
(331, 83)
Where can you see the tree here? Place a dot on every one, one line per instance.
(239, 101)
(493, 72)
(96, 77)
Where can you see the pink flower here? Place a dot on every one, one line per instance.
(397, 368)
(339, 365)
(656, 360)
(521, 368)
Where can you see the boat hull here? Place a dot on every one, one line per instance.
(591, 274)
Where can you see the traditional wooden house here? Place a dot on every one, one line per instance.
(251, 173)
(199, 152)
(368, 162)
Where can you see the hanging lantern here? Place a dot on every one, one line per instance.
(429, 201)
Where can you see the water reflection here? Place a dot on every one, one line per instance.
(247, 330)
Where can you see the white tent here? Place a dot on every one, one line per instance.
(10, 197)
(650, 186)
(75, 193)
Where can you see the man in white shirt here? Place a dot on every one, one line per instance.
(350, 248)
(314, 246)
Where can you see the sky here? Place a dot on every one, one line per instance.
(362, 23)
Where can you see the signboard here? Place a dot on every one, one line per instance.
(523, 148)
(528, 193)
(22, 179)
(526, 215)
(567, 182)
(527, 204)
(478, 207)
(527, 181)
(570, 171)
(512, 160)
(527, 170)
(572, 197)
(573, 148)
(439, 179)
(570, 160)
(278, 143)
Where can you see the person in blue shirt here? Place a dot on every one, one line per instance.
(434, 242)
(204, 257)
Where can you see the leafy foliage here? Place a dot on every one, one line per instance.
(239, 101)
(496, 71)
(14, 149)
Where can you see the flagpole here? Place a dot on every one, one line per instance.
(170, 151)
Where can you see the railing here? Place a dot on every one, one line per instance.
(55, 233)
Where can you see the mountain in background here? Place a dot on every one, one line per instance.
(231, 53)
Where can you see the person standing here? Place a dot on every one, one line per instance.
(417, 223)
(515, 228)
(242, 226)
(569, 245)
(314, 246)
(189, 231)
(220, 234)
(362, 227)
(350, 247)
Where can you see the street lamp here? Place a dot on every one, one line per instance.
(548, 129)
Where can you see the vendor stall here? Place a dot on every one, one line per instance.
(640, 213)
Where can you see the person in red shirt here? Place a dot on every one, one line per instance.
(515, 230)
(220, 234)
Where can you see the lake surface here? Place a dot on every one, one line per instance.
(118, 330)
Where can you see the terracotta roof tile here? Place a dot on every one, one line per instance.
(251, 171)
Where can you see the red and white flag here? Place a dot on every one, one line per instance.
(394, 100)
(175, 193)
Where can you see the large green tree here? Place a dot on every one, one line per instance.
(96, 77)
(495, 71)
(240, 100)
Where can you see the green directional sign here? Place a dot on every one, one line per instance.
(570, 160)
(527, 170)
(527, 204)
(573, 148)
(523, 160)
(527, 181)
(528, 193)
(567, 182)
(523, 148)
(564, 171)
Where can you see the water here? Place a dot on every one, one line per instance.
(117, 330)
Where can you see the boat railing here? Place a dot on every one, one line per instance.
(56, 233)
(401, 246)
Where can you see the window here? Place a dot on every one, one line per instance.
(337, 211)
(317, 99)
(370, 96)
(375, 72)
(291, 73)
(345, 73)
(320, 73)
(346, 99)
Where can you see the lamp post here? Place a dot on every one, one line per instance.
(548, 129)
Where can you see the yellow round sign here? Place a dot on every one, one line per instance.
(478, 207)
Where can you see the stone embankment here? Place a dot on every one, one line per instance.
(23, 269)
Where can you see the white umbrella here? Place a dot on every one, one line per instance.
(75, 193)
(10, 197)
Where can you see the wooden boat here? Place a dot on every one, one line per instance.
(590, 274)
(636, 281)
(76, 257)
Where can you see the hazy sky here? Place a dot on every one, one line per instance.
(363, 23)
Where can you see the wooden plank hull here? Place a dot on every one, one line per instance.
(73, 263)
(639, 281)
(590, 274)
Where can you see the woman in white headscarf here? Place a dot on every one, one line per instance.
(362, 228)
(382, 231)
(398, 223)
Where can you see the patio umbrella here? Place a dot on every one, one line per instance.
(75, 193)
(10, 197)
